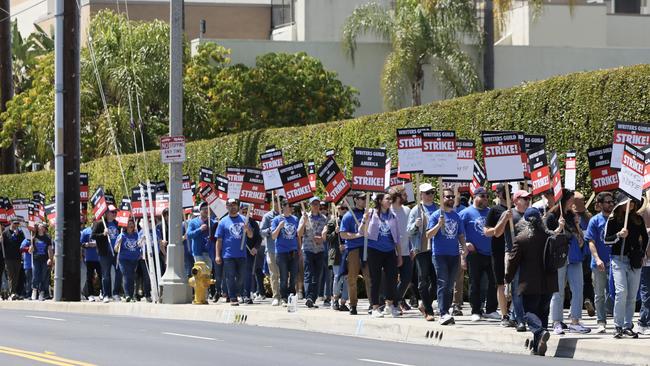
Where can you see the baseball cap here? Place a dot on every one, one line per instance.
(480, 190)
(520, 194)
(202, 205)
(532, 212)
(231, 201)
(359, 194)
(500, 188)
(425, 187)
(314, 199)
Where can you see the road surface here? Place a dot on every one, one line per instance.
(64, 339)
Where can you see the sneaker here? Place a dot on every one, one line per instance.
(41, 296)
(646, 331)
(541, 346)
(590, 308)
(248, 301)
(618, 334)
(335, 305)
(234, 303)
(300, 296)
(492, 316)
(446, 319)
(149, 299)
(215, 298)
(601, 328)
(284, 303)
(521, 327)
(260, 298)
(386, 310)
(343, 307)
(117, 298)
(395, 311)
(327, 303)
(128, 299)
(579, 328)
(14, 297)
(557, 329)
(457, 311)
(34, 294)
(630, 333)
(353, 310)
(564, 326)
(405, 306)
(92, 299)
(106, 300)
(370, 310)
(377, 314)
(475, 317)
(505, 322)
(275, 302)
(309, 303)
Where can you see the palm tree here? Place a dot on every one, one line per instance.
(420, 33)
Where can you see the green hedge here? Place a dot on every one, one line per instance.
(575, 111)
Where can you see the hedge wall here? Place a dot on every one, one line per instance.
(574, 111)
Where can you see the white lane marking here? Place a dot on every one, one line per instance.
(44, 317)
(319, 354)
(191, 336)
(383, 362)
(268, 346)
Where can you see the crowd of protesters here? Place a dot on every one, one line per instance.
(413, 256)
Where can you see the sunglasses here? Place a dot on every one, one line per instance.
(343, 208)
(450, 197)
(427, 192)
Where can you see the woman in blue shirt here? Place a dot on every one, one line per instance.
(42, 254)
(128, 252)
(383, 255)
(284, 230)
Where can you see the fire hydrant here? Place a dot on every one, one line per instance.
(200, 281)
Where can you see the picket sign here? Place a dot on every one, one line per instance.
(155, 237)
(149, 249)
(634, 133)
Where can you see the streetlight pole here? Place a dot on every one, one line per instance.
(174, 282)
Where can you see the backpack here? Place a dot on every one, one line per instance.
(556, 252)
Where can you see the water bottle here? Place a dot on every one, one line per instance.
(292, 306)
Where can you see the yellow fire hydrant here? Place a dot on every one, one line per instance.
(200, 281)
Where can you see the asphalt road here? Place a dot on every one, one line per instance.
(40, 338)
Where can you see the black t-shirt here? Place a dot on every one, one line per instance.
(493, 216)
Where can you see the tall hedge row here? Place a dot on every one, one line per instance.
(575, 111)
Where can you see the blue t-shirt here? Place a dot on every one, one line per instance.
(113, 231)
(198, 238)
(287, 240)
(596, 233)
(348, 225)
(445, 242)
(91, 253)
(231, 232)
(40, 246)
(129, 248)
(473, 221)
(27, 258)
(385, 242)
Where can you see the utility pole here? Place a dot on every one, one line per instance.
(488, 54)
(66, 154)
(174, 282)
(8, 164)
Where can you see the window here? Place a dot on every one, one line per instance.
(282, 12)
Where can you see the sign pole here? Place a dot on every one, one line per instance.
(627, 213)
(508, 203)
(365, 234)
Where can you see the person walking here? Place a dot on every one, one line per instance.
(536, 282)
(274, 271)
(105, 237)
(629, 242)
(42, 252)
(287, 249)
(12, 238)
(312, 231)
(421, 250)
(447, 237)
(600, 257)
(253, 246)
(128, 251)
(337, 261)
(398, 200)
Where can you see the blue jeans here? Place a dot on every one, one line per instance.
(644, 313)
(128, 267)
(602, 301)
(28, 283)
(405, 277)
(340, 284)
(288, 266)
(189, 263)
(573, 273)
(234, 270)
(517, 300)
(39, 275)
(626, 284)
(107, 262)
(313, 272)
(446, 270)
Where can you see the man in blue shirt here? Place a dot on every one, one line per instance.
(416, 228)
(274, 271)
(199, 236)
(106, 237)
(447, 237)
(230, 237)
(92, 263)
(352, 232)
(479, 259)
(600, 256)
(310, 230)
(287, 249)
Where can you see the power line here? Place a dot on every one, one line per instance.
(20, 12)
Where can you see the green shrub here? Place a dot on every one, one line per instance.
(575, 111)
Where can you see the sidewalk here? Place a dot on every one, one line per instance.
(411, 327)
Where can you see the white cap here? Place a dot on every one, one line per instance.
(425, 187)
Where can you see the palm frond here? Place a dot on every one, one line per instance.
(368, 18)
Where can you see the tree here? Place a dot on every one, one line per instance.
(420, 33)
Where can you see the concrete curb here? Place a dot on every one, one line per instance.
(481, 336)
